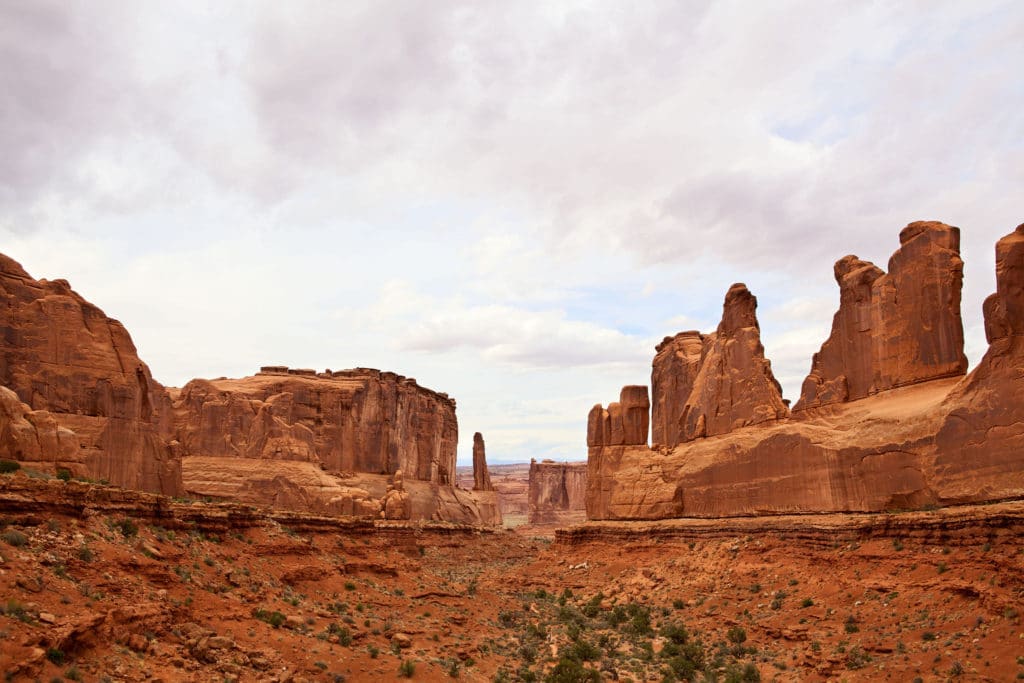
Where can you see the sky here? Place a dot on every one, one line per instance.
(512, 202)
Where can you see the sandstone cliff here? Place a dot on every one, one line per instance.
(332, 442)
(557, 492)
(481, 477)
(893, 329)
(911, 442)
(61, 354)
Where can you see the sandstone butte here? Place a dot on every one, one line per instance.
(557, 492)
(886, 420)
(75, 395)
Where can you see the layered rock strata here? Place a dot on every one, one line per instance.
(78, 397)
(918, 442)
(623, 423)
(893, 329)
(331, 441)
(557, 492)
(61, 354)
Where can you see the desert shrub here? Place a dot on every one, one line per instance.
(275, 618)
(127, 527)
(571, 671)
(808, 602)
(856, 658)
(407, 669)
(14, 537)
(736, 635)
(746, 674)
(344, 635)
(583, 651)
(55, 655)
(64, 474)
(8, 466)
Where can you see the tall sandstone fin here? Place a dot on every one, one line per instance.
(481, 477)
(735, 386)
(893, 329)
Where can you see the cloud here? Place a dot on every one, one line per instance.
(524, 185)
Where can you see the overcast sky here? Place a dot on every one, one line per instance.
(510, 201)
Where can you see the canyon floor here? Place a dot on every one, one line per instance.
(99, 584)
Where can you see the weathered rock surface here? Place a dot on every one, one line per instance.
(942, 441)
(734, 386)
(34, 437)
(325, 442)
(673, 373)
(481, 477)
(511, 486)
(61, 354)
(624, 423)
(557, 492)
(893, 329)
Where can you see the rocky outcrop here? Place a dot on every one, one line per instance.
(481, 477)
(61, 354)
(557, 492)
(346, 442)
(893, 329)
(734, 386)
(358, 420)
(622, 423)
(980, 446)
(673, 374)
(919, 442)
(34, 437)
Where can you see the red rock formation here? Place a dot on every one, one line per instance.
(734, 386)
(673, 373)
(349, 421)
(937, 442)
(893, 329)
(625, 422)
(981, 443)
(34, 437)
(61, 354)
(557, 492)
(326, 442)
(481, 477)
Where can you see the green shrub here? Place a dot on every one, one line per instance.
(572, 671)
(8, 466)
(56, 656)
(14, 537)
(127, 527)
(64, 474)
(407, 669)
(807, 603)
(275, 618)
(736, 635)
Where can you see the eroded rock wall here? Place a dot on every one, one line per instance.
(929, 437)
(61, 354)
(893, 329)
(557, 492)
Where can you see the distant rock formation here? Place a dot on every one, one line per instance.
(61, 354)
(557, 492)
(481, 477)
(894, 329)
(918, 435)
(337, 436)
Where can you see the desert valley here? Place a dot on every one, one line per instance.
(306, 525)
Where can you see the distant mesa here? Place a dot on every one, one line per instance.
(885, 421)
